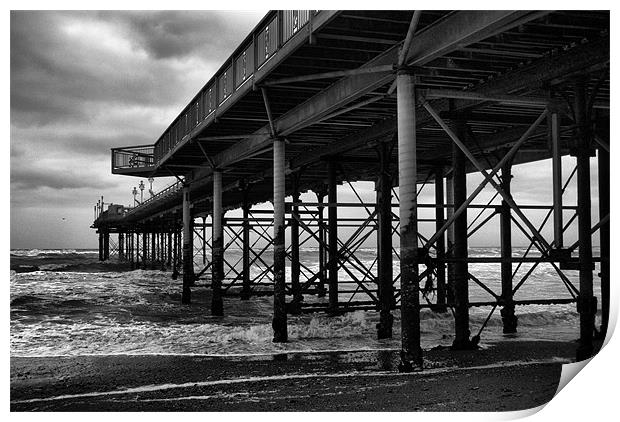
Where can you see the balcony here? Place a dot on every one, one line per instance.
(134, 160)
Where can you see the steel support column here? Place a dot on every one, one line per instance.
(450, 238)
(411, 352)
(280, 331)
(385, 277)
(101, 255)
(332, 235)
(188, 253)
(153, 249)
(245, 292)
(509, 319)
(441, 244)
(557, 180)
(144, 248)
(217, 244)
(295, 265)
(121, 246)
(106, 245)
(604, 198)
(461, 275)
(169, 245)
(586, 306)
(321, 291)
(175, 257)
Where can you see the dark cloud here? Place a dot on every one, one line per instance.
(32, 178)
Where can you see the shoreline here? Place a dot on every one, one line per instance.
(293, 381)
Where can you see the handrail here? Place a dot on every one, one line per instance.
(170, 189)
(262, 44)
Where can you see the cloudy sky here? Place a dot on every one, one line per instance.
(83, 82)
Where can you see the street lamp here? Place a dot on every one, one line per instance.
(151, 180)
(135, 192)
(141, 186)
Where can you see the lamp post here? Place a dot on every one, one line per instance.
(135, 192)
(141, 186)
(151, 188)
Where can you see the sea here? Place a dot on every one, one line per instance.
(75, 305)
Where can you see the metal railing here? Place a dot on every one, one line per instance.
(259, 47)
(133, 157)
(166, 192)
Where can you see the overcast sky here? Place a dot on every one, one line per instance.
(83, 82)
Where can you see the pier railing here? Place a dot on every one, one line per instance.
(134, 157)
(165, 193)
(273, 32)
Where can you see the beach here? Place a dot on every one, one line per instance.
(512, 375)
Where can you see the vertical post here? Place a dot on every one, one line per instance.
(106, 245)
(509, 319)
(169, 245)
(441, 241)
(144, 248)
(461, 275)
(204, 240)
(153, 248)
(604, 198)
(121, 246)
(280, 331)
(217, 241)
(558, 223)
(295, 266)
(385, 280)
(332, 235)
(411, 352)
(245, 292)
(586, 306)
(131, 250)
(101, 256)
(322, 258)
(175, 257)
(162, 247)
(188, 267)
(450, 237)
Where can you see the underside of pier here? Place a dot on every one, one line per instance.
(312, 101)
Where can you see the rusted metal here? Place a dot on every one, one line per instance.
(411, 352)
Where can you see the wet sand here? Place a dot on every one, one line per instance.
(512, 375)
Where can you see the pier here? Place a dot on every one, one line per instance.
(414, 102)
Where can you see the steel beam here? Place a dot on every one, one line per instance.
(280, 331)
(320, 195)
(295, 264)
(461, 272)
(558, 224)
(245, 291)
(385, 278)
(604, 205)
(332, 235)
(586, 305)
(217, 245)
(188, 248)
(440, 245)
(509, 319)
(411, 352)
